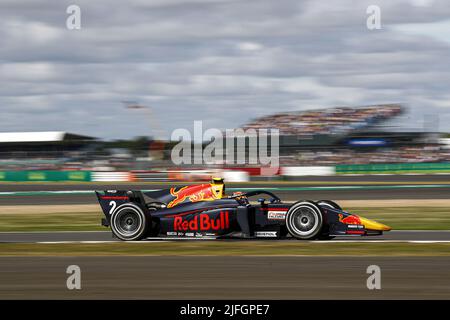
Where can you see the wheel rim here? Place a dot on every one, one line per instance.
(304, 221)
(128, 222)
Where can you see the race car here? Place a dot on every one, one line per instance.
(204, 210)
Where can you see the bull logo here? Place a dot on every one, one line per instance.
(352, 219)
(193, 193)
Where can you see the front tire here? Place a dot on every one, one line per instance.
(304, 220)
(128, 222)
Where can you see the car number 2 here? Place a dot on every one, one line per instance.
(113, 206)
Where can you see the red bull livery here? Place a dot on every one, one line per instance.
(204, 210)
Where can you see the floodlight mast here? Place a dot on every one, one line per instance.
(157, 132)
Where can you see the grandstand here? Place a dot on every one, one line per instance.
(40, 149)
(40, 144)
(323, 128)
(335, 121)
(350, 136)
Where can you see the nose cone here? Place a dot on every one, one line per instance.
(373, 225)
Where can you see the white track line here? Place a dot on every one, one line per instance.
(93, 231)
(173, 240)
(382, 241)
(90, 242)
(50, 232)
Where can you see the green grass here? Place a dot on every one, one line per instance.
(227, 248)
(65, 221)
(399, 218)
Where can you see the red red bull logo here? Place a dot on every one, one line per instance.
(202, 222)
(193, 193)
(351, 219)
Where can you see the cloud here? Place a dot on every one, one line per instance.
(436, 30)
(222, 61)
(249, 46)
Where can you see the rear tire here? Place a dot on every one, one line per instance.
(128, 222)
(304, 220)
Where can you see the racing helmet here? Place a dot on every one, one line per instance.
(218, 187)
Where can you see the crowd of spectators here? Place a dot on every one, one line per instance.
(309, 157)
(326, 121)
(382, 155)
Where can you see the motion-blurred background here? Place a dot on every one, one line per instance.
(341, 140)
(101, 102)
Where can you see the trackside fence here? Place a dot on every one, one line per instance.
(233, 175)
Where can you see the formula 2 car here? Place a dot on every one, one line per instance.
(204, 210)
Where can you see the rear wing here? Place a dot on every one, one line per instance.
(109, 200)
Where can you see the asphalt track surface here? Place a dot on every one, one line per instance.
(336, 188)
(236, 277)
(106, 236)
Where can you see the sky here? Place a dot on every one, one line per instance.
(220, 61)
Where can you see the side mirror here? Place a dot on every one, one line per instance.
(261, 200)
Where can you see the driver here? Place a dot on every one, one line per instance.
(240, 197)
